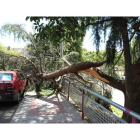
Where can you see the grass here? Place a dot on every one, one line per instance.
(116, 111)
(46, 92)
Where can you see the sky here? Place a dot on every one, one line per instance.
(9, 40)
(16, 12)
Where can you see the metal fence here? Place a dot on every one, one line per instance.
(95, 112)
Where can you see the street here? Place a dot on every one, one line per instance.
(7, 110)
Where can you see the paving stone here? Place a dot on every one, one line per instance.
(52, 118)
(23, 121)
(69, 119)
(69, 108)
(74, 115)
(65, 121)
(65, 103)
(78, 121)
(60, 111)
(22, 117)
(22, 111)
(48, 102)
(41, 118)
(33, 110)
(63, 115)
(32, 113)
(16, 120)
(51, 107)
(43, 121)
(32, 117)
(71, 111)
(32, 121)
(17, 113)
(42, 109)
(23, 107)
(53, 121)
(76, 118)
(46, 110)
(12, 121)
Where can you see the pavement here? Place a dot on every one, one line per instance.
(53, 109)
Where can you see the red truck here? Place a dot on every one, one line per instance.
(12, 85)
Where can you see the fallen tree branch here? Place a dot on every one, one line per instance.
(72, 69)
(22, 57)
(55, 83)
(118, 84)
(80, 77)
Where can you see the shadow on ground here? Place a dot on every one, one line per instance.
(7, 110)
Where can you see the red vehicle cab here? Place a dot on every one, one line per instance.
(12, 85)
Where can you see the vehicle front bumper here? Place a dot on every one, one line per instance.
(8, 96)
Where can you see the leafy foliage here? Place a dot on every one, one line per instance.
(57, 29)
(70, 29)
(7, 62)
(17, 30)
(135, 49)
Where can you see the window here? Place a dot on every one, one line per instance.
(6, 76)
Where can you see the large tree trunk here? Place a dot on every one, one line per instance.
(132, 98)
(38, 87)
(71, 69)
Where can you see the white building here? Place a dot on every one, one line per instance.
(23, 51)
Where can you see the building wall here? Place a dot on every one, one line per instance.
(21, 50)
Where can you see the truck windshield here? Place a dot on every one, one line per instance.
(6, 76)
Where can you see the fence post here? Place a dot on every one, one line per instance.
(83, 92)
(134, 120)
(68, 90)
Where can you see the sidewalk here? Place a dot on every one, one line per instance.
(54, 109)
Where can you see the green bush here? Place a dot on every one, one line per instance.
(47, 92)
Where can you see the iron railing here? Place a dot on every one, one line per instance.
(95, 112)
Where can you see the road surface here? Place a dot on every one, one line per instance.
(7, 110)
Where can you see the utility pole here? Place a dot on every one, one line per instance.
(62, 49)
(62, 52)
(8, 48)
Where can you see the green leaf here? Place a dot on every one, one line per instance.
(27, 18)
(36, 27)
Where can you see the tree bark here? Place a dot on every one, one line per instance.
(132, 98)
(118, 84)
(72, 69)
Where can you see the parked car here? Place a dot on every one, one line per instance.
(12, 85)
